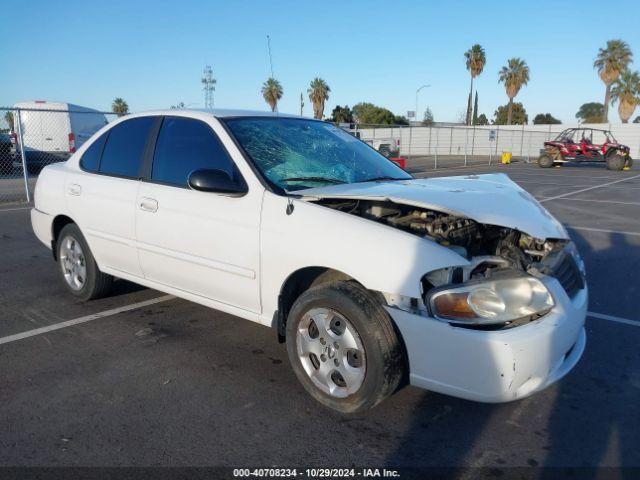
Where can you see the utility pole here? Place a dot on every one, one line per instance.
(209, 83)
(301, 104)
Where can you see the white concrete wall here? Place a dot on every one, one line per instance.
(525, 141)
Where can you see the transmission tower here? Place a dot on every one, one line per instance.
(209, 86)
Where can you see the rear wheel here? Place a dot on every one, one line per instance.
(343, 347)
(545, 161)
(77, 267)
(615, 162)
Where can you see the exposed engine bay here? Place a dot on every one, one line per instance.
(489, 248)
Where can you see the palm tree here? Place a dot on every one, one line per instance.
(476, 59)
(119, 106)
(610, 62)
(514, 76)
(272, 92)
(318, 93)
(626, 91)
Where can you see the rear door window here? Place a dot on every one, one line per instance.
(185, 145)
(90, 160)
(122, 154)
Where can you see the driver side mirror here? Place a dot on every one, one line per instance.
(216, 181)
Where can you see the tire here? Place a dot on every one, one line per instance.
(615, 162)
(77, 267)
(368, 351)
(545, 161)
(384, 150)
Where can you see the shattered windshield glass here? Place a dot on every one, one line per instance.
(296, 153)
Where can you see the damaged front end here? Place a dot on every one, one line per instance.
(499, 283)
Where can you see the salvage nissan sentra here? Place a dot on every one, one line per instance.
(463, 285)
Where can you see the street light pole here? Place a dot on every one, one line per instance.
(417, 92)
(415, 117)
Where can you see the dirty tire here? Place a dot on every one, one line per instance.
(97, 284)
(545, 161)
(384, 355)
(615, 162)
(385, 151)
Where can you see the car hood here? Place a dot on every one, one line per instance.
(492, 199)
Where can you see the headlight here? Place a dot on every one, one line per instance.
(491, 301)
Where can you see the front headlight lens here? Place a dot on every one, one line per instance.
(491, 301)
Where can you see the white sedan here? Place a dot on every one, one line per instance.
(462, 285)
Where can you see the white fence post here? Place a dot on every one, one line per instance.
(436, 157)
(466, 142)
(25, 173)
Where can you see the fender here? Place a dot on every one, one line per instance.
(380, 257)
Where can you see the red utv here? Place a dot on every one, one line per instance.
(585, 145)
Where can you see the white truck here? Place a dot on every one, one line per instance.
(52, 131)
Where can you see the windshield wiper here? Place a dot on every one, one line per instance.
(312, 179)
(379, 179)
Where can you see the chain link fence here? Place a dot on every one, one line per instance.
(32, 138)
(436, 147)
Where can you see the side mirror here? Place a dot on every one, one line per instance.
(217, 181)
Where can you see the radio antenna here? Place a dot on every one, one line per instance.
(270, 57)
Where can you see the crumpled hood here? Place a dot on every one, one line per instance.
(492, 199)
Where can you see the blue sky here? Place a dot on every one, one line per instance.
(152, 53)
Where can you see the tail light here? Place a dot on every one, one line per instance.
(72, 142)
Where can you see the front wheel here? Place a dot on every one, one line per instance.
(615, 162)
(77, 267)
(343, 347)
(545, 161)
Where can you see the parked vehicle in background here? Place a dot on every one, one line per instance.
(6, 153)
(585, 145)
(462, 285)
(388, 147)
(52, 131)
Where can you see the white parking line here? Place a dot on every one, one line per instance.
(611, 318)
(589, 188)
(85, 319)
(589, 200)
(14, 209)
(602, 230)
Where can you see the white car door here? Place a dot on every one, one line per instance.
(199, 242)
(102, 197)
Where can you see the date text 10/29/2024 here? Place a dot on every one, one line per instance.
(315, 473)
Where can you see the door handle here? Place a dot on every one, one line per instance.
(75, 189)
(148, 204)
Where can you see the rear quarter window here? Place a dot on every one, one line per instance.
(90, 160)
(122, 155)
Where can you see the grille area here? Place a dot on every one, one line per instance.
(566, 271)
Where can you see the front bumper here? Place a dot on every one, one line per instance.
(495, 366)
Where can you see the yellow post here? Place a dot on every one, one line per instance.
(506, 158)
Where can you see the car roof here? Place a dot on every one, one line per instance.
(220, 113)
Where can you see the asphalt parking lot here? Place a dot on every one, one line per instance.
(171, 383)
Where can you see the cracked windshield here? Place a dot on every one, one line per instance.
(297, 154)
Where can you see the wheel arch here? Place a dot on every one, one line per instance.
(300, 281)
(59, 222)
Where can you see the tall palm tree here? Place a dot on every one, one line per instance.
(272, 92)
(609, 63)
(318, 93)
(626, 91)
(476, 60)
(119, 106)
(514, 76)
